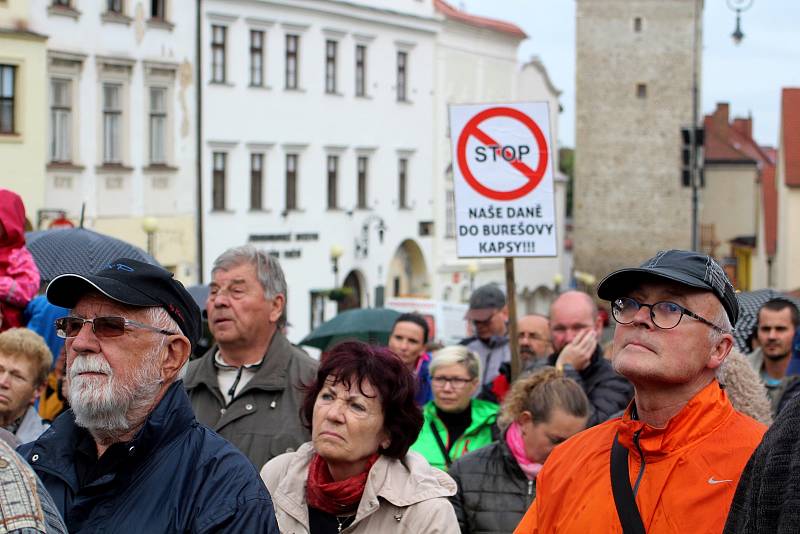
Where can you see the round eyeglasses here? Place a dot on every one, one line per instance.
(665, 314)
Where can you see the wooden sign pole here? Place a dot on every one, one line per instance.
(511, 302)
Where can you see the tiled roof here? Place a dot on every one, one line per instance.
(481, 22)
(790, 126)
(730, 142)
(769, 199)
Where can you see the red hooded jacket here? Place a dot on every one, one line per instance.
(19, 277)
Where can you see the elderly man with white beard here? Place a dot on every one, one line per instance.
(129, 455)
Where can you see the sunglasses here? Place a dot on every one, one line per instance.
(110, 326)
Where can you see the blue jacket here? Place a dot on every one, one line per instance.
(177, 476)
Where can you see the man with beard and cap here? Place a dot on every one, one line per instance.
(575, 327)
(672, 461)
(488, 314)
(129, 455)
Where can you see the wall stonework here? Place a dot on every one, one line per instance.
(629, 201)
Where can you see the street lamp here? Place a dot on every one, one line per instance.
(150, 227)
(472, 269)
(738, 6)
(336, 253)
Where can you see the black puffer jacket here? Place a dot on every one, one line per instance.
(609, 393)
(493, 492)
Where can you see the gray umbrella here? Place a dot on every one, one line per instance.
(78, 250)
(749, 304)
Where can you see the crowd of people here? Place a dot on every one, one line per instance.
(662, 429)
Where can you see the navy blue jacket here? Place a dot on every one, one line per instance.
(178, 476)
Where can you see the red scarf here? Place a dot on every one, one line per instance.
(337, 498)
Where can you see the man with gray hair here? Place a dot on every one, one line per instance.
(246, 387)
(129, 455)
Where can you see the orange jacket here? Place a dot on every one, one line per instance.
(691, 470)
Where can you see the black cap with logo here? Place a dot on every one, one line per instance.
(133, 283)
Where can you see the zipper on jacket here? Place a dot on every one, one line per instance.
(641, 457)
(529, 497)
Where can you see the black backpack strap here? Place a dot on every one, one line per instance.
(442, 448)
(627, 510)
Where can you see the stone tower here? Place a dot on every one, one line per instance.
(635, 89)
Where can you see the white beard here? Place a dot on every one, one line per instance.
(108, 406)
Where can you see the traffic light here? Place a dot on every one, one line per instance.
(691, 142)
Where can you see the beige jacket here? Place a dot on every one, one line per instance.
(406, 496)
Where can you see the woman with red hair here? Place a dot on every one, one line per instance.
(357, 474)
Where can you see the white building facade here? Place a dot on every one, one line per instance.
(318, 148)
(476, 61)
(121, 131)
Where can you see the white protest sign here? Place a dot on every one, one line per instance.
(503, 174)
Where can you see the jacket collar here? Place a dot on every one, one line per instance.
(702, 415)
(272, 375)
(56, 447)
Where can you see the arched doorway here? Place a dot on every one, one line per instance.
(408, 274)
(354, 289)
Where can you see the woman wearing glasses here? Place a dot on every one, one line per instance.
(497, 484)
(455, 423)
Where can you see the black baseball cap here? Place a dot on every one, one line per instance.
(682, 266)
(484, 301)
(133, 283)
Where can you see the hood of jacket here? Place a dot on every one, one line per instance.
(12, 217)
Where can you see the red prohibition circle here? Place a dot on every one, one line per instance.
(472, 128)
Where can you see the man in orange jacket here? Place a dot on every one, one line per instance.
(681, 440)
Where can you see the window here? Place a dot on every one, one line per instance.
(637, 24)
(362, 183)
(218, 187)
(256, 181)
(333, 182)
(158, 126)
(402, 63)
(60, 120)
(256, 58)
(330, 67)
(158, 9)
(112, 123)
(291, 182)
(292, 42)
(361, 70)
(218, 53)
(115, 6)
(402, 169)
(641, 90)
(7, 98)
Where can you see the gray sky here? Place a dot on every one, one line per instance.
(749, 76)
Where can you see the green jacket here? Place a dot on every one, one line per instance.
(481, 432)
